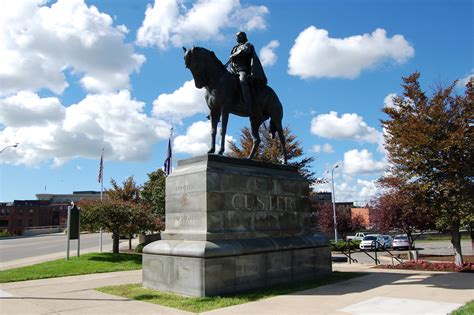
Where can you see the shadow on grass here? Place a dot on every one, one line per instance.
(110, 257)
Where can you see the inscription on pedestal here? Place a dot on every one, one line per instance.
(263, 203)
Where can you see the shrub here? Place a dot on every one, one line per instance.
(431, 266)
(342, 245)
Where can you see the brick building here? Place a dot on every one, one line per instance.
(49, 210)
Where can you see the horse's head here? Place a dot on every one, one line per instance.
(203, 64)
(194, 61)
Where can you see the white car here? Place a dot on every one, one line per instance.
(401, 241)
(372, 241)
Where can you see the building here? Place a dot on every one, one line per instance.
(49, 210)
(363, 213)
(67, 198)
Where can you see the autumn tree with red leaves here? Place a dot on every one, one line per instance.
(429, 140)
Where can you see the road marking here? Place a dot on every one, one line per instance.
(387, 305)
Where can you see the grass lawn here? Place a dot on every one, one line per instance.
(85, 264)
(194, 304)
(466, 309)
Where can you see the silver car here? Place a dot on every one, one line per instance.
(401, 242)
(387, 241)
(372, 241)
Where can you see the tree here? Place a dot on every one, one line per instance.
(123, 212)
(153, 192)
(129, 192)
(344, 220)
(429, 144)
(270, 151)
(401, 207)
(113, 215)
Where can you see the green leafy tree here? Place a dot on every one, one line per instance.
(430, 146)
(270, 151)
(129, 191)
(109, 214)
(153, 192)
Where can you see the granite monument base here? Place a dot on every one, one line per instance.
(233, 226)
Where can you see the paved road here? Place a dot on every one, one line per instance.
(15, 251)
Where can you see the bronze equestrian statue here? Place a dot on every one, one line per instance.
(223, 96)
(245, 63)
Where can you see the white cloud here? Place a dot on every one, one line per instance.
(170, 22)
(267, 53)
(38, 44)
(388, 101)
(197, 139)
(184, 102)
(316, 55)
(27, 109)
(348, 126)
(362, 162)
(349, 189)
(325, 148)
(112, 121)
(462, 82)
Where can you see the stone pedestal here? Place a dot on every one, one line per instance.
(234, 225)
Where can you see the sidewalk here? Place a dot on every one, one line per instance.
(381, 291)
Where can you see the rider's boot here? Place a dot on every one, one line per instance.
(246, 96)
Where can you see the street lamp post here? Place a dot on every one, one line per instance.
(9, 146)
(334, 202)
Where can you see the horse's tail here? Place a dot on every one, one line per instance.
(276, 115)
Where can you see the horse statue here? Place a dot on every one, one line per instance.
(223, 97)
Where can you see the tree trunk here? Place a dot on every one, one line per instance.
(456, 241)
(130, 242)
(116, 242)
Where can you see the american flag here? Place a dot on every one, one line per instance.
(101, 166)
(168, 164)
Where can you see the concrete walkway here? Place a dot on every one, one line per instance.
(380, 292)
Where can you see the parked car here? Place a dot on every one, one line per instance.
(401, 242)
(371, 241)
(358, 237)
(387, 241)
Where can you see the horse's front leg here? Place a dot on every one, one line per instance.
(214, 120)
(225, 119)
(255, 125)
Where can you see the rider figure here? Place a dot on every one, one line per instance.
(245, 63)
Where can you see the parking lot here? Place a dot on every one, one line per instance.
(426, 248)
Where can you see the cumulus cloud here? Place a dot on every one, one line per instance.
(28, 109)
(38, 44)
(184, 102)
(348, 126)
(325, 148)
(197, 139)
(349, 189)
(267, 53)
(462, 82)
(112, 121)
(171, 22)
(362, 162)
(388, 101)
(316, 55)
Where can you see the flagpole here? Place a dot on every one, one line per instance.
(101, 175)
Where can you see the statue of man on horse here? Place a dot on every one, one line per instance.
(245, 63)
(225, 90)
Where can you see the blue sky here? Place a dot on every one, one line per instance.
(80, 75)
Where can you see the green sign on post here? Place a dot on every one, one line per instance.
(74, 223)
(73, 228)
